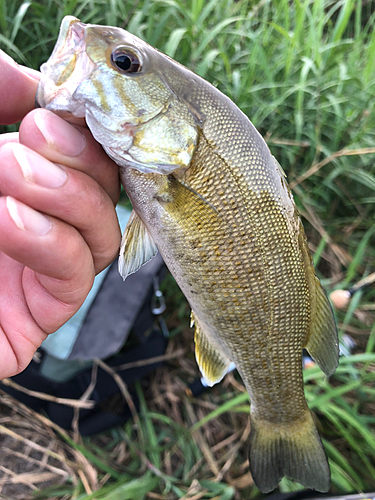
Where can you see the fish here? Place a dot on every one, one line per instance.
(210, 197)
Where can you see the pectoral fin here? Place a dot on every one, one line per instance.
(212, 363)
(137, 246)
(322, 342)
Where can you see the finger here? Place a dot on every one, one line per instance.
(61, 269)
(20, 335)
(65, 193)
(11, 137)
(63, 143)
(19, 87)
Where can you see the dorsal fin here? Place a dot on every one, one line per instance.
(322, 340)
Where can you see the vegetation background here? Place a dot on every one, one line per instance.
(304, 72)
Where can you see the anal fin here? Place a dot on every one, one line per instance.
(137, 246)
(322, 342)
(212, 362)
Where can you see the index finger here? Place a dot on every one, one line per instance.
(17, 90)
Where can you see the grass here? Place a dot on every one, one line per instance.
(304, 72)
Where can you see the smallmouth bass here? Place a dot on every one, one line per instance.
(208, 194)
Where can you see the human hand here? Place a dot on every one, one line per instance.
(58, 225)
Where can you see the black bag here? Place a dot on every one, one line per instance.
(118, 309)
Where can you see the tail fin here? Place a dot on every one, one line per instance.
(295, 451)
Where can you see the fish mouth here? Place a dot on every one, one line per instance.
(67, 67)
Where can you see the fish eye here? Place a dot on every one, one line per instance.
(126, 61)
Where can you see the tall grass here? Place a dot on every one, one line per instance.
(304, 72)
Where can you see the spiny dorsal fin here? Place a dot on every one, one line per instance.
(137, 246)
(322, 342)
(212, 363)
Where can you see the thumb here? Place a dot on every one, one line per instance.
(18, 87)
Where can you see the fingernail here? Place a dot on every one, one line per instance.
(26, 218)
(37, 169)
(59, 134)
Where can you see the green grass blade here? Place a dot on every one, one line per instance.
(174, 41)
(13, 49)
(342, 20)
(17, 21)
(149, 430)
(221, 409)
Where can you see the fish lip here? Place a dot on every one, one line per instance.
(69, 25)
(79, 33)
(69, 52)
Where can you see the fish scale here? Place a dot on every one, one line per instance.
(207, 193)
(274, 278)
